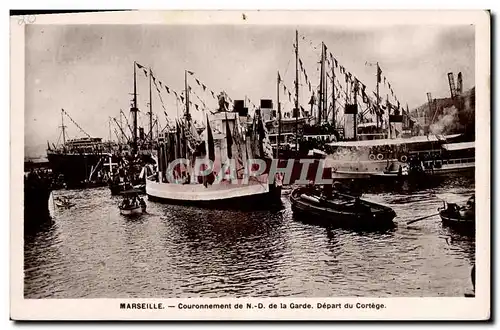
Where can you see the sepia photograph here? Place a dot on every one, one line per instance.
(308, 165)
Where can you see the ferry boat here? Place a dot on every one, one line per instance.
(430, 155)
(223, 138)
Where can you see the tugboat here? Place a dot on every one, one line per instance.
(341, 209)
(459, 217)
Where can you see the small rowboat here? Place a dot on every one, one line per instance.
(134, 210)
(341, 210)
(459, 217)
(63, 202)
(131, 205)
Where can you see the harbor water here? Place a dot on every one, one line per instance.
(91, 251)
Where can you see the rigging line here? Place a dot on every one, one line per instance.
(81, 129)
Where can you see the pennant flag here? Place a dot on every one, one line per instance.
(309, 86)
(284, 87)
(300, 62)
(204, 87)
(279, 77)
(384, 80)
(389, 84)
(190, 72)
(213, 95)
(182, 98)
(305, 74)
(336, 63)
(289, 96)
(159, 81)
(168, 91)
(229, 139)
(197, 81)
(145, 72)
(196, 106)
(154, 78)
(176, 94)
(379, 74)
(210, 142)
(139, 66)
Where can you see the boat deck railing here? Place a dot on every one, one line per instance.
(459, 161)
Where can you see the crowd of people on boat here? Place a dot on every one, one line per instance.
(133, 202)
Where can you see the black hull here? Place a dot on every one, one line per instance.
(381, 218)
(36, 205)
(459, 225)
(75, 168)
(270, 200)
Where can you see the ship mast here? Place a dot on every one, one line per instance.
(325, 85)
(63, 127)
(134, 113)
(378, 107)
(333, 94)
(321, 96)
(150, 110)
(188, 116)
(279, 118)
(296, 90)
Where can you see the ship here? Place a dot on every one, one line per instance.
(226, 137)
(80, 162)
(392, 158)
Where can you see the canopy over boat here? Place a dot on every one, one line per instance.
(459, 146)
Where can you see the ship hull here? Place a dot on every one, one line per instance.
(220, 196)
(76, 168)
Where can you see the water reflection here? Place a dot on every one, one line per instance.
(174, 251)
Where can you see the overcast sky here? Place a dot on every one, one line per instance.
(88, 69)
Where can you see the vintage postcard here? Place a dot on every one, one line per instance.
(250, 165)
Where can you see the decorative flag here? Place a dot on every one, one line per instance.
(145, 72)
(279, 77)
(139, 66)
(159, 81)
(182, 98)
(190, 72)
(289, 96)
(197, 81)
(196, 106)
(204, 87)
(309, 85)
(168, 91)
(210, 142)
(213, 95)
(229, 139)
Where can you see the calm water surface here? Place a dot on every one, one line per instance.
(91, 251)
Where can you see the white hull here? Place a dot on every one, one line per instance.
(200, 193)
(133, 211)
(363, 169)
(453, 168)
